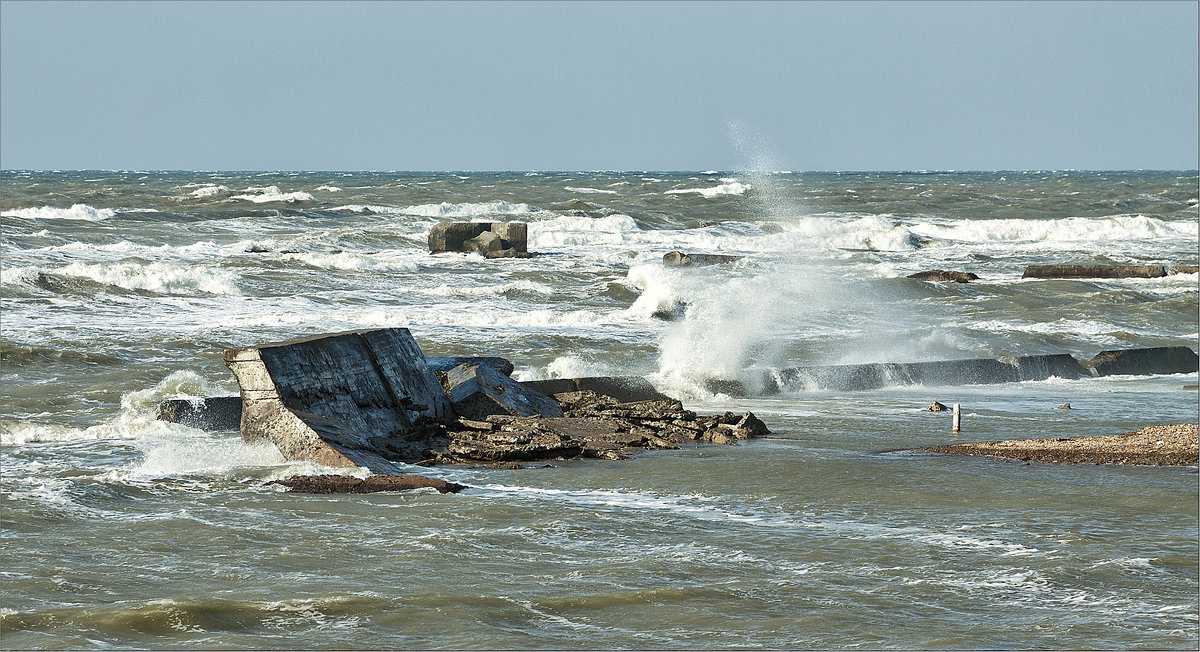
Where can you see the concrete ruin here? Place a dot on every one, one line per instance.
(488, 239)
(680, 259)
(1094, 271)
(979, 371)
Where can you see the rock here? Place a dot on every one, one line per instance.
(943, 275)
(935, 407)
(752, 425)
(676, 311)
(1064, 406)
(1094, 271)
(1185, 269)
(211, 413)
(324, 398)
(1174, 445)
(1144, 362)
(680, 259)
(257, 249)
(477, 391)
(625, 389)
(341, 484)
(490, 239)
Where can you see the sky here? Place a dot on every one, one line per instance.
(598, 86)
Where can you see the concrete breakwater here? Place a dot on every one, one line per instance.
(370, 399)
(1008, 369)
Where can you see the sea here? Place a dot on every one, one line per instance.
(121, 289)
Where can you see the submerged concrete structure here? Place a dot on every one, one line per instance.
(488, 239)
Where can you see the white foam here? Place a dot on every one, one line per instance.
(211, 190)
(591, 191)
(272, 194)
(466, 209)
(1114, 228)
(730, 187)
(329, 188)
(352, 261)
(164, 277)
(575, 230)
(78, 212)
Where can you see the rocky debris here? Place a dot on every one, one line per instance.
(936, 407)
(488, 239)
(680, 259)
(477, 391)
(624, 389)
(943, 275)
(1007, 369)
(1171, 445)
(1094, 271)
(1064, 406)
(1185, 269)
(211, 413)
(674, 312)
(342, 484)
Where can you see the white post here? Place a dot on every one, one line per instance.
(957, 419)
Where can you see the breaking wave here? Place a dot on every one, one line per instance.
(272, 194)
(728, 187)
(78, 212)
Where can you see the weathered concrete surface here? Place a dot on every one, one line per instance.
(477, 391)
(490, 239)
(680, 259)
(1144, 362)
(341, 484)
(211, 413)
(625, 389)
(1008, 369)
(447, 363)
(322, 398)
(1094, 271)
(1185, 269)
(944, 275)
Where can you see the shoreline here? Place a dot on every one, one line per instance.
(1160, 445)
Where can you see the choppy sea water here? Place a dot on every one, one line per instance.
(121, 289)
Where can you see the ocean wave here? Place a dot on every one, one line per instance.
(730, 187)
(590, 191)
(351, 261)
(466, 209)
(1069, 229)
(78, 212)
(329, 188)
(574, 230)
(211, 190)
(272, 194)
(161, 277)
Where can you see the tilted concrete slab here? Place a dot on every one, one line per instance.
(322, 398)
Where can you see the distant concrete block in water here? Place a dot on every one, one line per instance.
(489, 239)
(624, 389)
(1143, 362)
(943, 275)
(322, 398)
(680, 259)
(1094, 271)
(211, 413)
(477, 391)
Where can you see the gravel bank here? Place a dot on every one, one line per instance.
(1171, 445)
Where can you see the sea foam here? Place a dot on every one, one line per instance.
(272, 194)
(729, 187)
(79, 212)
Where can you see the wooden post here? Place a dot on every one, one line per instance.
(957, 419)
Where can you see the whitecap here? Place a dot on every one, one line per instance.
(164, 277)
(79, 212)
(590, 191)
(272, 194)
(468, 209)
(210, 190)
(731, 187)
(329, 188)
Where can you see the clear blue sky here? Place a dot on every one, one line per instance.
(581, 86)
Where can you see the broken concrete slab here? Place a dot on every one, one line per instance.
(322, 398)
(342, 484)
(1094, 271)
(680, 259)
(210, 413)
(447, 363)
(625, 389)
(944, 275)
(477, 391)
(1143, 362)
(1007, 369)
